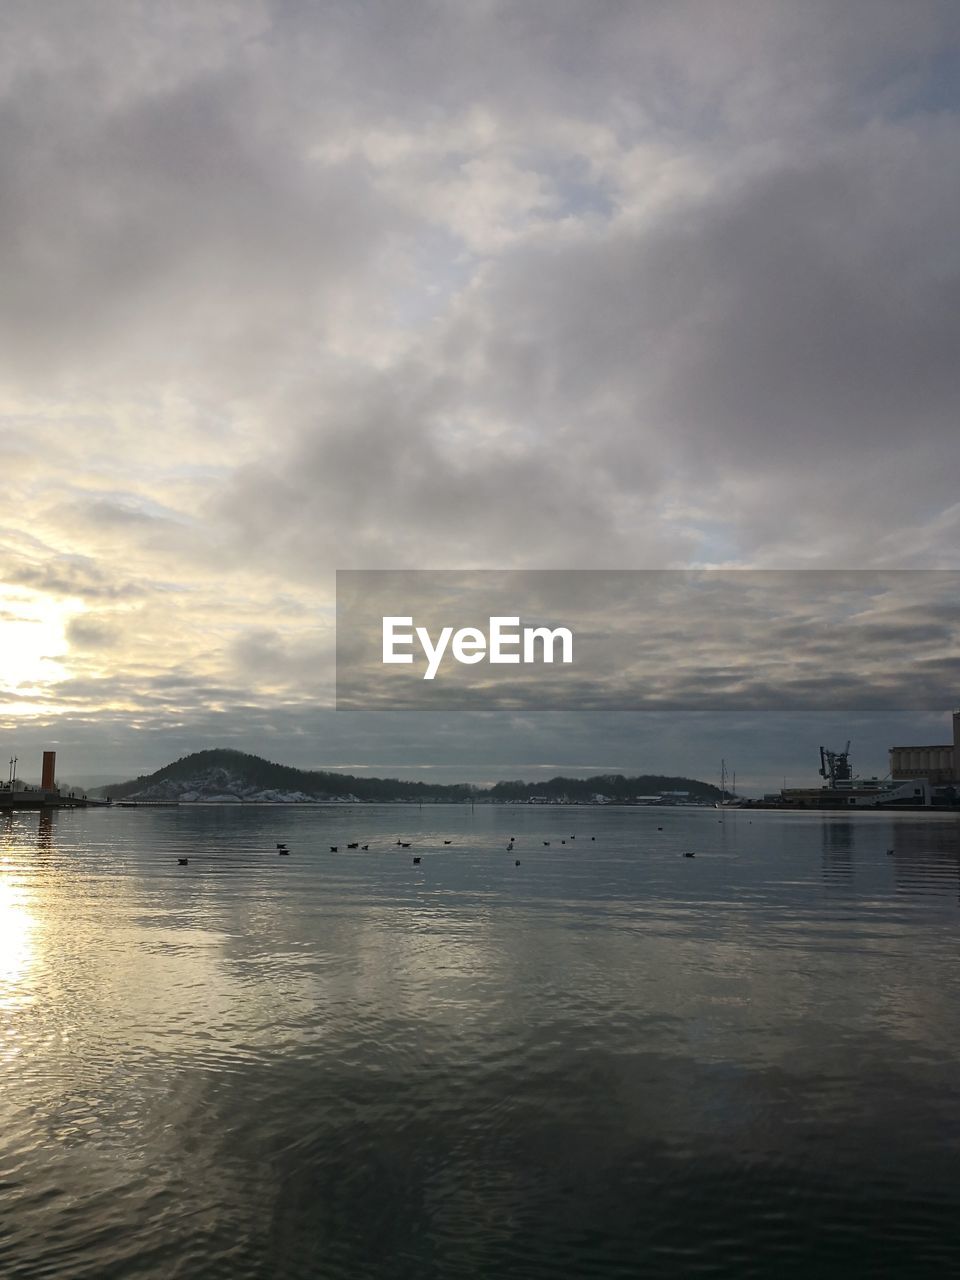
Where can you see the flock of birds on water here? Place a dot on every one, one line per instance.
(284, 852)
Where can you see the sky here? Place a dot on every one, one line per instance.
(290, 288)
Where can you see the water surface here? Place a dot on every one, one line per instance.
(609, 1060)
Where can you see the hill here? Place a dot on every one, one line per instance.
(236, 776)
(223, 774)
(615, 787)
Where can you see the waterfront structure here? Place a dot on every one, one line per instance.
(843, 789)
(49, 771)
(15, 794)
(864, 793)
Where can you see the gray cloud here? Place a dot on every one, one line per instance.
(90, 633)
(292, 287)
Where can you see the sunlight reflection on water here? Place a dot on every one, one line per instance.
(17, 938)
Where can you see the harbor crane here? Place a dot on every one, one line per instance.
(835, 765)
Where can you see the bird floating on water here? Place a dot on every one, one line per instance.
(416, 860)
(689, 855)
(517, 863)
(364, 847)
(334, 848)
(182, 861)
(355, 845)
(448, 842)
(547, 843)
(283, 853)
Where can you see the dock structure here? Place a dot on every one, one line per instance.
(24, 797)
(138, 804)
(15, 794)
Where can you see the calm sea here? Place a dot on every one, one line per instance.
(610, 1060)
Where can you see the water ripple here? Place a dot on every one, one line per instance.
(607, 1061)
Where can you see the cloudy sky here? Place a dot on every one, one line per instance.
(293, 287)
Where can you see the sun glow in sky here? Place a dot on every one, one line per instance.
(33, 643)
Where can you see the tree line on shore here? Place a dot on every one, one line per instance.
(259, 774)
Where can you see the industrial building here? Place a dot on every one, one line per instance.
(939, 764)
(842, 789)
(920, 777)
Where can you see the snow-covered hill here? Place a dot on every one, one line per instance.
(223, 786)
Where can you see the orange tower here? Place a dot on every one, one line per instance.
(49, 769)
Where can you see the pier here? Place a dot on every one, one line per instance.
(26, 797)
(15, 794)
